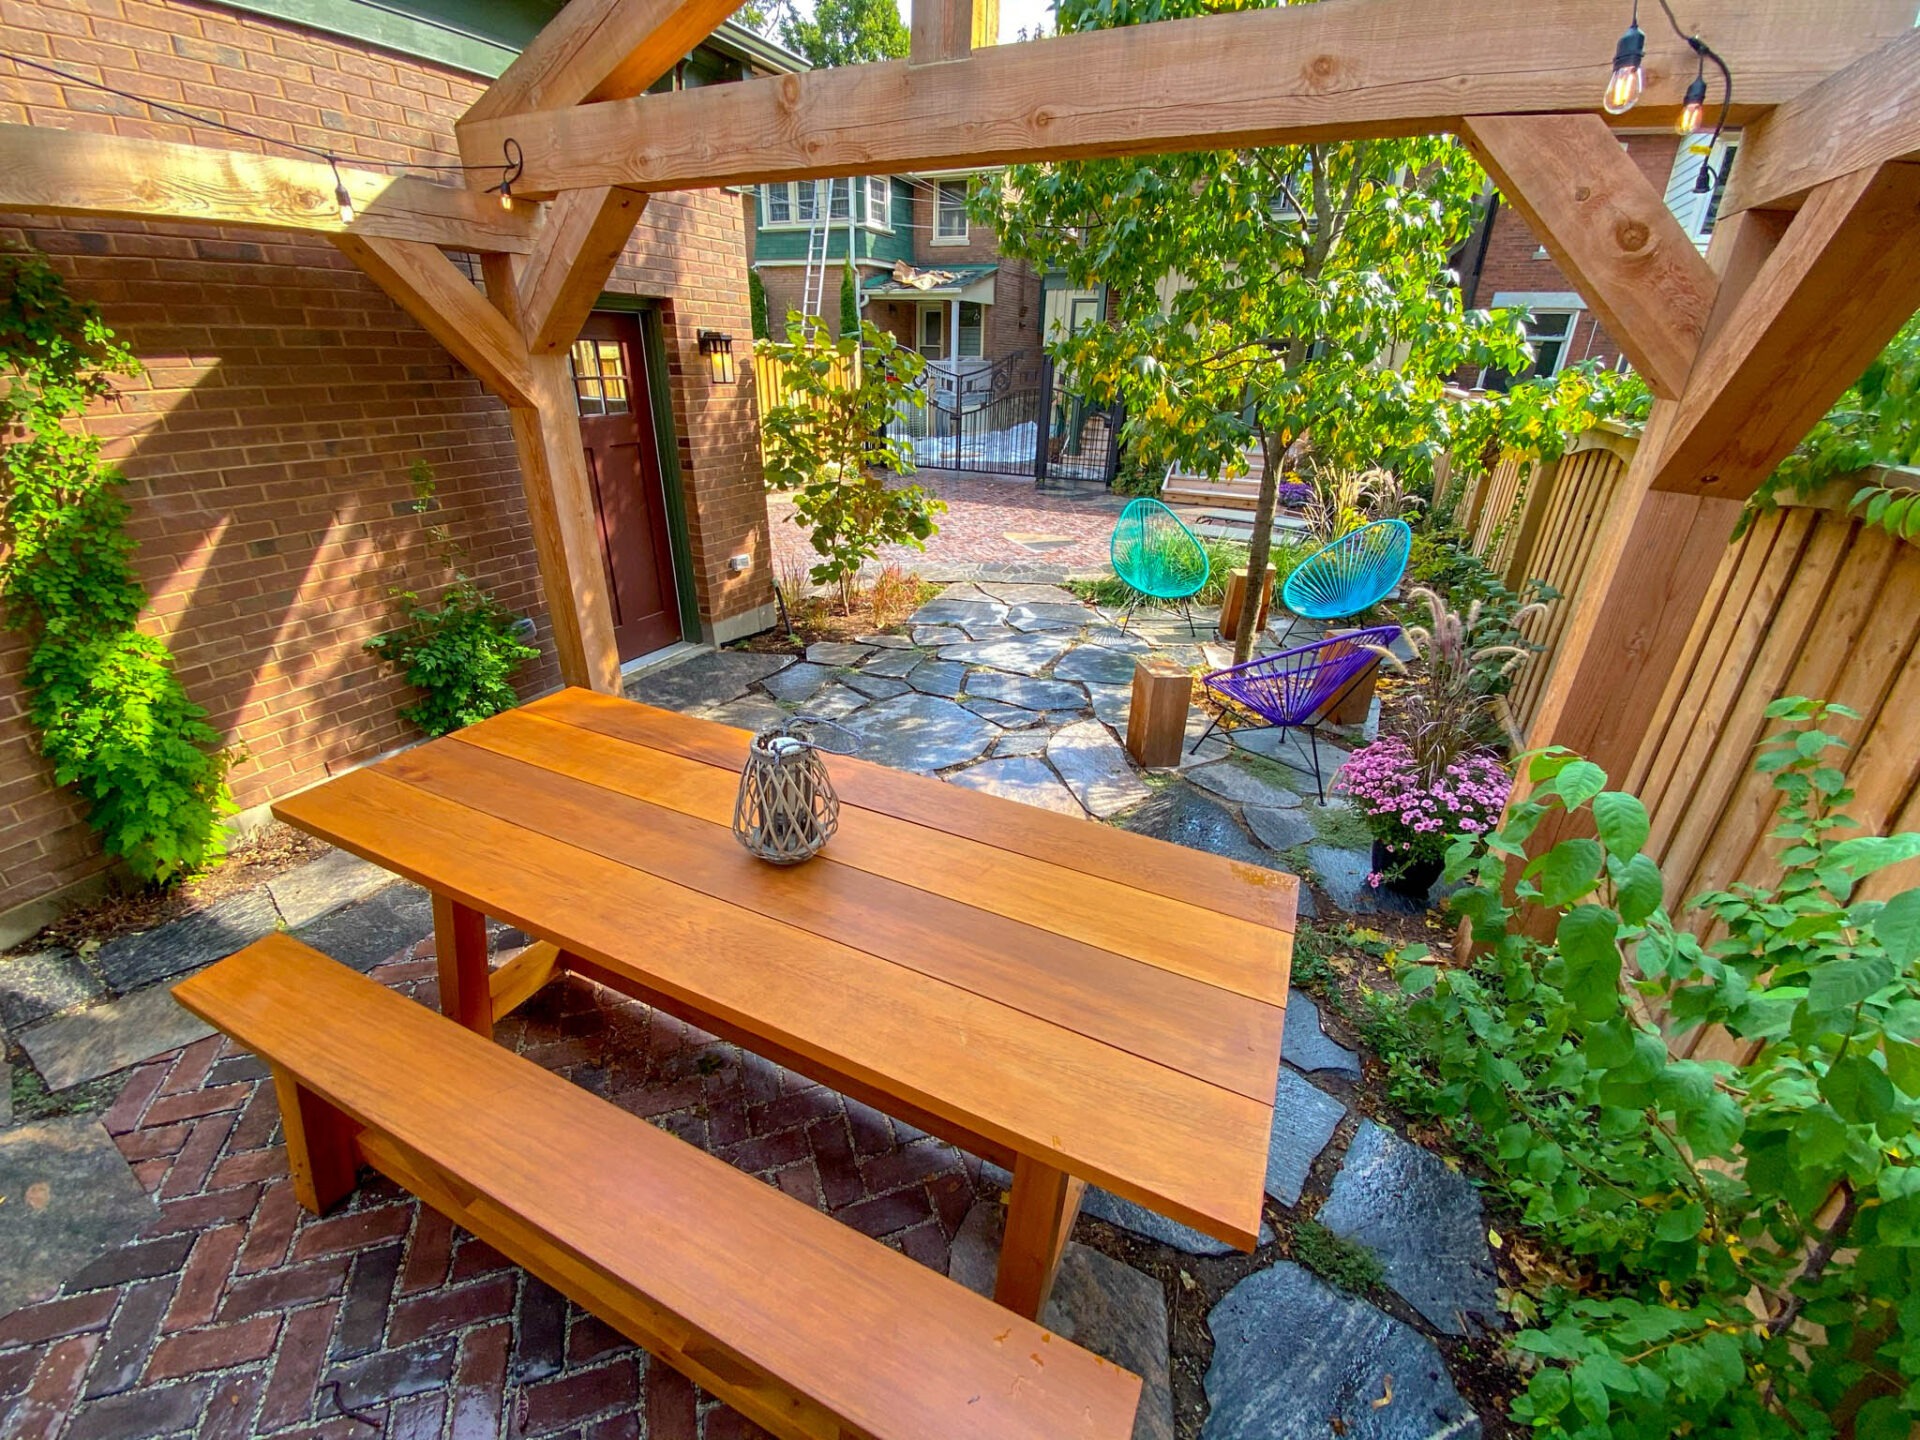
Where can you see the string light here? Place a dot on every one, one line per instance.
(340, 193)
(1629, 76)
(516, 162)
(1695, 105)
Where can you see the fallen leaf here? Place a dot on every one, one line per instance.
(1188, 1281)
(1493, 1239)
(1386, 1398)
(39, 1195)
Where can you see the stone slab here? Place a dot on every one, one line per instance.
(1304, 1119)
(1112, 704)
(984, 633)
(1096, 769)
(711, 677)
(1343, 875)
(895, 664)
(1013, 593)
(324, 884)
(1096, 664)
(1029, 780)
(920, 732)
(1426, 1224)
(1024, 691)
(1276, 829)
(66, 1196)
(938, 677)
(6, 1093)
(1183, 816)
(883, 641)
(1023, 742)
(1294, 1359)
(1244, 786)
(959, 612)
(1002, 714)
(876, 687)
(1305, 1044)
(71, 1049)
(839, 653)
(834, 702)
(798, 683)
(1112, 637)
(1098, 1303)
(181, 946)
(932, 637)
(368, 931)
(1021, 654)
(44, 983)
(1033, 619)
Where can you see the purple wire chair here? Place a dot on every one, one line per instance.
(1295, 689)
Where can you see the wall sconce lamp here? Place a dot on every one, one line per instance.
(718, 348)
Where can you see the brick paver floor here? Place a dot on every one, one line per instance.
(237, 1314)
(1062, 533)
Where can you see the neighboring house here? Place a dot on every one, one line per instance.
(927, 272)
(1510, 267)
(284, 396)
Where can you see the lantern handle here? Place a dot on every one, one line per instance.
(812, 722)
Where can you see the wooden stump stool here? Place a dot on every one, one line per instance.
(1157, 723)
(1236, 596)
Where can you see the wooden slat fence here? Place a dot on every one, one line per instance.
(772, 390)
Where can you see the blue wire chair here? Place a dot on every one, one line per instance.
(1296, 689)
(1158, 557)
(1356, 571)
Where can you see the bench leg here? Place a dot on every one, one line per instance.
(320, 1150)
(1040, 1216)
(460, 952)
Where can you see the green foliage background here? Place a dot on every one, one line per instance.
(113, 717)
(757, 304)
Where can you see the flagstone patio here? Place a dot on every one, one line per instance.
(161, 1281)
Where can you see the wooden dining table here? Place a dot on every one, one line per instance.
(1075, 1002)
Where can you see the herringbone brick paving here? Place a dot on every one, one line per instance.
(237, 1314)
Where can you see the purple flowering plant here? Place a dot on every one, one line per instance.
(1415, 818)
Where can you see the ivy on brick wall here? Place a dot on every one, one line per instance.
(113, 718)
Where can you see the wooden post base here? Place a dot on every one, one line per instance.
(1157, 723)
(1236, 597)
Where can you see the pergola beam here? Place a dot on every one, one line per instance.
(1867, 114)
(1841, 282)
(1351, 69)
(943, 30)
(1609, 230)
(599, 50)
(74, 172)
(581, 242)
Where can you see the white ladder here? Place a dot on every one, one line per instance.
(813, 287)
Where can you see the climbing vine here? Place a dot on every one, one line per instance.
(113, 718)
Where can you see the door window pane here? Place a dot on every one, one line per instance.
(600, 380)
(879, 202)
(972, 324)
(932, 332)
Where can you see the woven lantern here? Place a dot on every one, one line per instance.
(787, 808)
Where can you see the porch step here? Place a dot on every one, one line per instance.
(1241, 492)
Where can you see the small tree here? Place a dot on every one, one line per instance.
(828, 443)
(849, 303)
(757, 303)
(843, 32)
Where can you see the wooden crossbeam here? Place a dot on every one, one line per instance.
(585, 232)
(599, 50)
(72, 172)
(1286, 75)
(1609, 230)
(1843, 279)
(951, 29)
(1867, 114)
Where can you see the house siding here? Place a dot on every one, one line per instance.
(284, 397)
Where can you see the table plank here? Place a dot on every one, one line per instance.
(1220, 950)
(1192, 1151)
(1212, 1034)
(1193, 877)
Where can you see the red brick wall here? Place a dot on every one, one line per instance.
(267, 443)
(1014, 318)
(1515, 262)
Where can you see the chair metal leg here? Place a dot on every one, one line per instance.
(1186, 604)
(1204, 738)
(1292, 620)
(1313, 739)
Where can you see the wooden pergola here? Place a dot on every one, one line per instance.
(1814, 264)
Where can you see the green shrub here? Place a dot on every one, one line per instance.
(113, 717)
(1733, 1245)
(757, 305)
(461, 654)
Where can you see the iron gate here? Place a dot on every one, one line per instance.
(995, 419)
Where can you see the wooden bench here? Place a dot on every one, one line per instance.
(802, 1324)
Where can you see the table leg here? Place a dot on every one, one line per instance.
(460, 951)
(1040, 1216)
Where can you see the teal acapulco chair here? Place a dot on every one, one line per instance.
(1158, 557)
(1352, 574)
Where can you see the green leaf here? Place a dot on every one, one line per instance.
(1897, 927)
(1841, 984)
(1586, 937)
(1858, 1090)
(1621, 821)
(1637, 888)
(1903, 1064)
(1568, 871)
(1579, 782)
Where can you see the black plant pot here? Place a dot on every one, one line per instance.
(1414, 880)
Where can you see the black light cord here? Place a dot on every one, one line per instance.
(1705, 52)
(510, 170)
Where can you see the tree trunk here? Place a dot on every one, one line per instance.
(1247, 630)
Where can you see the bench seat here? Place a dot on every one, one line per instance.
(806, 1326)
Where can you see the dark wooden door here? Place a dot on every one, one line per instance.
(616, 424)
